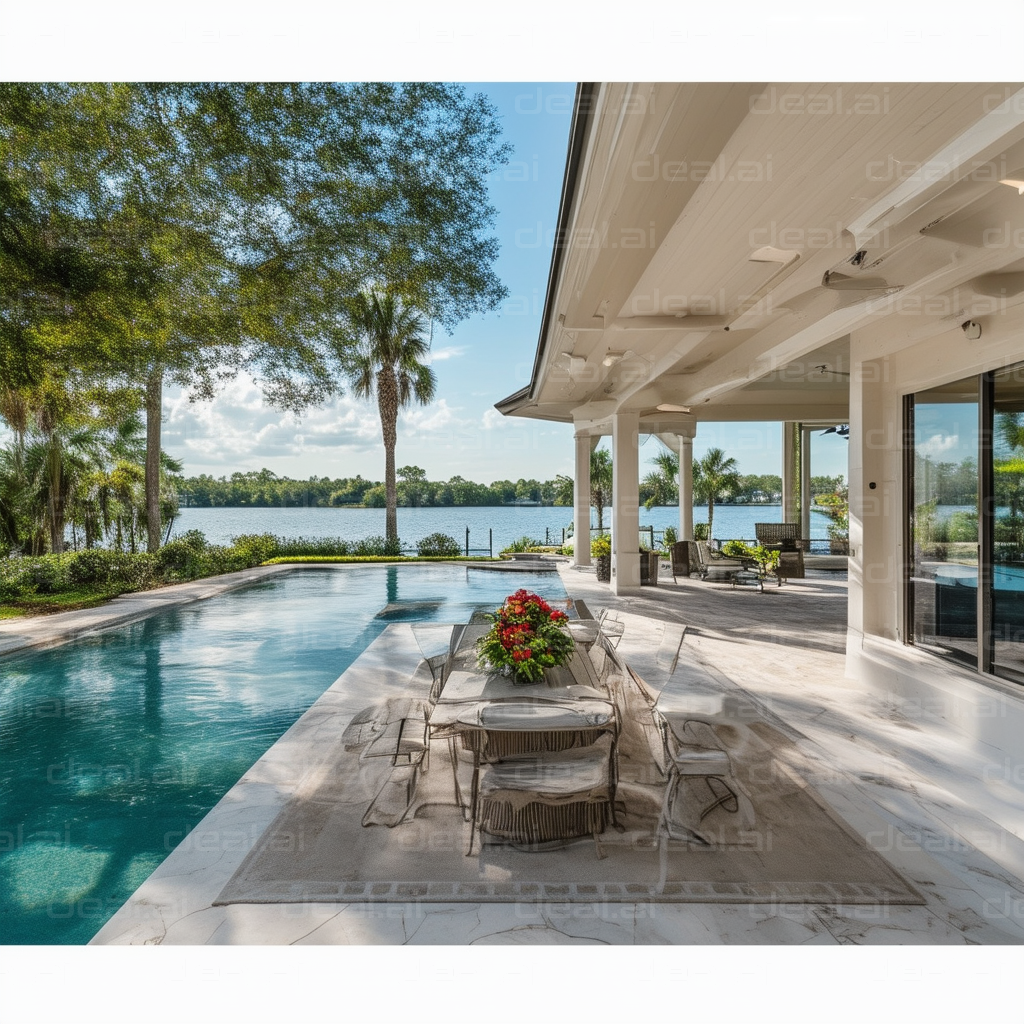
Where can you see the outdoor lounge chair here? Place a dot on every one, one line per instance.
(713, 564)
(784, 538)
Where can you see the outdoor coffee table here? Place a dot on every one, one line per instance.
(746, 577)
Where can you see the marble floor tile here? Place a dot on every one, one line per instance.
(937, 811)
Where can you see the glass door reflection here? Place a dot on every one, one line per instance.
(944, 524)
(1008, 529)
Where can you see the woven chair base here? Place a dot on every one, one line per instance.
(542, 823)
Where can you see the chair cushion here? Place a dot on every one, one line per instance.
(563, 773)
(523, 717)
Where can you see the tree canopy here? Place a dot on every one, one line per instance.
(154, 232)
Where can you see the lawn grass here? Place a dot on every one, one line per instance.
(47, 604)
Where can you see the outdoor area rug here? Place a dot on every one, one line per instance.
(782, 845)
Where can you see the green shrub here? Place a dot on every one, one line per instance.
(183, 557)
(47, 574)
(518, 546)
(439, 545)
(669, 537)
(700, 531)
(14, 574)
(963, 526)
(737, 549)
(601, 547)
(290, 547)
(96, 567)
(254, 548)
(110, 571)
(377, 546)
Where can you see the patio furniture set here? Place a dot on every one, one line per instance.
(542, 760)
(691, 557)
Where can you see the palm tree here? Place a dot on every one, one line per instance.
(388, 362)
(600, 482)
(714, 477)
(662, 485)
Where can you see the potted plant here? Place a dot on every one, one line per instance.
(766, 560)
(527, 637)
(601, 552)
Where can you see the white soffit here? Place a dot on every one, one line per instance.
(997, 129)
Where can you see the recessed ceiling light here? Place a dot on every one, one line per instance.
(668, 407)
(611, 358)
(1013, 183)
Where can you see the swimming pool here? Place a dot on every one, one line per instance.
(112, 747)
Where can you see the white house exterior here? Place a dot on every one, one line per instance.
(815, 254)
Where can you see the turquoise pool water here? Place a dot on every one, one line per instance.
(113, 747)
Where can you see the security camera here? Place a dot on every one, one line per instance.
(971, 329)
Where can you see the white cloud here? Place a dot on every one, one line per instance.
(439, 355)
(938, 444)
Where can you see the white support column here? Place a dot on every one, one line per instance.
(805, 482)
(686, 483)
(789, 511)
(581, 502)
(626, 502)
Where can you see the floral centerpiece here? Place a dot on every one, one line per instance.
(528, 636)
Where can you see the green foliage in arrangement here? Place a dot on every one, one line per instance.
(527, 637)
(601, 547)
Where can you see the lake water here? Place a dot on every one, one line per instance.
(507, 523)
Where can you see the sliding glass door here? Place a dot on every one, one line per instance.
(944, 520)
(1008, 524)
(965, 489)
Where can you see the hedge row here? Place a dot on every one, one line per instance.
(190, 557)
(114, 572)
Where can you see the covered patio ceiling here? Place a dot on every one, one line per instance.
(718, 243)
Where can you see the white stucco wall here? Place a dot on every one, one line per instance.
(897, 356)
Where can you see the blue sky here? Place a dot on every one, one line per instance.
(482, 361)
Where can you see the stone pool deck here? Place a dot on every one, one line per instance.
(944, 815)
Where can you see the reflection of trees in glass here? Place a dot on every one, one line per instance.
(947, 483)
(1008, 467)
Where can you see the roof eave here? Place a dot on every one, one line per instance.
(582, 108)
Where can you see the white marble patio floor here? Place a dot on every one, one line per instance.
(945, 817)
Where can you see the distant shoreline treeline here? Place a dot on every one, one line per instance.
(264, 489)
